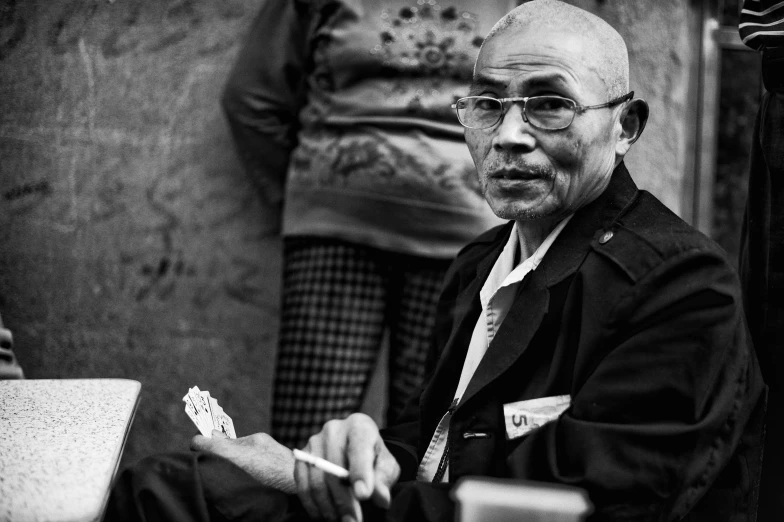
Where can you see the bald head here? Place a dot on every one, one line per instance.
(603, 48)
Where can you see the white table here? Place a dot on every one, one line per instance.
(60, 445)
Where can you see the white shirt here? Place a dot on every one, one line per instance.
(496, 297)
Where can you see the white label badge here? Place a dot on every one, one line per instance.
(524, 416)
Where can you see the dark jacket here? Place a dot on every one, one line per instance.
(638, 318)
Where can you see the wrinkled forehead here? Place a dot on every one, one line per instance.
(534, 56)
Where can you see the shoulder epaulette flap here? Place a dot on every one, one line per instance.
(629, 251)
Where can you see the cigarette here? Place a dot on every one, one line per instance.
(324, 465)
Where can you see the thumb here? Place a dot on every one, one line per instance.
(201, 443)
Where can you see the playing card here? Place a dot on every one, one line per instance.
(201, 406)
(225, 425)
(214, 409)
(208, 401)
(207, 414)
(195, 418)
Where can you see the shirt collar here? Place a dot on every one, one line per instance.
(504, 273)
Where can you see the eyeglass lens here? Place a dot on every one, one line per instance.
(545, 112)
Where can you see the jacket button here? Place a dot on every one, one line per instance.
(606, 237)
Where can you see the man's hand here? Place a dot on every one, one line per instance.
(355, 444)
(259, 455)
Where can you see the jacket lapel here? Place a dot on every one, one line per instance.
(513, 337)
(439, 392)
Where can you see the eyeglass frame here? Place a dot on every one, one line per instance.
(517, 99)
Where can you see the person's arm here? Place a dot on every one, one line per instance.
(660, 412)
(9, 367)
(263, 96)
(353, 443)
(761, 23)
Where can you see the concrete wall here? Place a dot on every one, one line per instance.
(131, 245)
(663, 40)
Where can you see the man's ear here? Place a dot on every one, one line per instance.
(633, 119)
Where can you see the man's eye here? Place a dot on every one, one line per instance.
(551, 104)
(486, 104)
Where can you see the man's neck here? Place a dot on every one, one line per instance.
(533, 233)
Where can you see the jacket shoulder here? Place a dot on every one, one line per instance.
(483, 244)
(464, 266)
(650, 234)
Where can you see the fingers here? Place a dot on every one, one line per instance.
(349, 443)
(343, 498)
(387, 471)
(381, 496)
(312, 489)
(202, 443)
(360, 457)
(302, 478)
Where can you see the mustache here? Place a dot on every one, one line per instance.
(499, 165)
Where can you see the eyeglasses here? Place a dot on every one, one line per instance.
(543, 112)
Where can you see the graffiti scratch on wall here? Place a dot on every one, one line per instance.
(28, 189)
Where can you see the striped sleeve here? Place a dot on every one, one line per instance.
(762, 23)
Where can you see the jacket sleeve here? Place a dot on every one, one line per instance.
(668, 387)
(264, 93)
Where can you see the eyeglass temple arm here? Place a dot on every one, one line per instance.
(610, 103)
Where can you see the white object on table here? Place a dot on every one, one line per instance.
(511, 500)
(60, 445)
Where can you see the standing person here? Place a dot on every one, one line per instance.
(340, 110)
(762, 239)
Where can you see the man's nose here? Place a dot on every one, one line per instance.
(514, 132)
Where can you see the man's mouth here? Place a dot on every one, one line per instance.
(515, 175)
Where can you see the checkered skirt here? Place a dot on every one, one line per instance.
(339, 300)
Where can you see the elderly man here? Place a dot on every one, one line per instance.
(594, 300)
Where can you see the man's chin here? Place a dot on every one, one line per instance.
(523, 213)
(522, 208)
